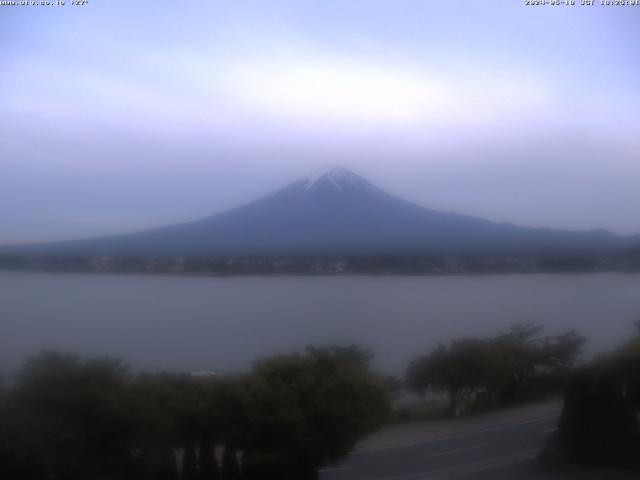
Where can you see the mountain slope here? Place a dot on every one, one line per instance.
(336, 212)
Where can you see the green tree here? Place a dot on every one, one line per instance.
(306, 410)
(523, 353)
(73, 414)
(152, 403)
(68, 418)
(500, 366)
(459, 369)
(599, 422)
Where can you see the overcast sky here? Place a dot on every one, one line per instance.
(122, 115)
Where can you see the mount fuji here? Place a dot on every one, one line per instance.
(336, 212)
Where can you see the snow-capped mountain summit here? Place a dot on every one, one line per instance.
(334, 212)
(337, 177)
(331, 180)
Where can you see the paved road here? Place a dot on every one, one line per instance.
(497, 446)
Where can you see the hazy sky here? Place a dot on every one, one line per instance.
(122, 115)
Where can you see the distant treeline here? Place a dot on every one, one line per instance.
(514, 365)
(333, 265)
(66, 418)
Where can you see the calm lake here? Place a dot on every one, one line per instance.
(224, 324)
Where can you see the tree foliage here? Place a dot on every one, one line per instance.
(599, 423)
(309, 409)
(69, 418)
(499, 366)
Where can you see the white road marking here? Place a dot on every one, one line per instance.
(549, 430)
(505, 426)
(507, 460)
(468, 468)
(457, 450)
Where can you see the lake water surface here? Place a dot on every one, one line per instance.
(223, 324)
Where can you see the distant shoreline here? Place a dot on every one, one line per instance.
(308, 267)
(309, 275)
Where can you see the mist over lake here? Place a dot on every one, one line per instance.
(224, 324)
